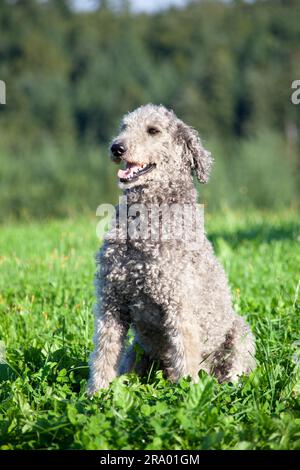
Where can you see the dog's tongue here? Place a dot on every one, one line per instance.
(130, 169)
(123, 173)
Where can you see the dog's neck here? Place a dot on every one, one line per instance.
(163, 226)
(171, 192)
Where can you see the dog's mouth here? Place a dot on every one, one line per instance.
(133, 171)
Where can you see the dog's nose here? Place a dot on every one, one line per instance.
(118, 149)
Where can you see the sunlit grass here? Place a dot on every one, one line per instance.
(46, 324)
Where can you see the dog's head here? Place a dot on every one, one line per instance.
(157, 146)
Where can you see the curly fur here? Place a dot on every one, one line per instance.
(176, 300)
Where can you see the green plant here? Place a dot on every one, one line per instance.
(46, 324)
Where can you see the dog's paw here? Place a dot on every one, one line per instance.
(95, 386)
(90, 391)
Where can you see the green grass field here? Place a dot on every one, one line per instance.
(46, 327)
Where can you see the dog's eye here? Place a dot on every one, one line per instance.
(153, 130)
(123, 127)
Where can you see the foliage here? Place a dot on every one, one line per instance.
(261, 172)
(46, 325)
(224, 67)
(58, 181)
(64, 180)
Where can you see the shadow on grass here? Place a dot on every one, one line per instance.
(260, 232)
(63, 366)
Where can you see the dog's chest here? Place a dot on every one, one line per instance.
(134, 273)
(146, 280)
(137, 290)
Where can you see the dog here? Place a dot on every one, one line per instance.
(174, 298)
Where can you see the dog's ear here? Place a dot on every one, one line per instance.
(200, 159)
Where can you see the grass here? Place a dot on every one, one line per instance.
(46, 325)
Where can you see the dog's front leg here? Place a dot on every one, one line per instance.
(109, 336)
(181, 357)
(174, 357)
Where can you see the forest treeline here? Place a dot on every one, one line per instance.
(224, 67)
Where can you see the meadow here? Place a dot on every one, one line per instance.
(46, 327)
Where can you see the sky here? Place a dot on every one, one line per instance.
(137, 5)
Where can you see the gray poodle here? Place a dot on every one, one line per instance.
(172, 293)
